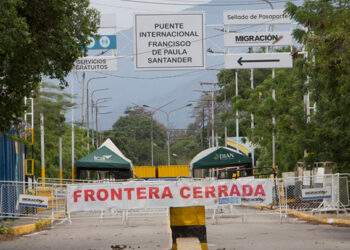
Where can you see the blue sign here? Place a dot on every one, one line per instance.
(104, 42)
(230, 200)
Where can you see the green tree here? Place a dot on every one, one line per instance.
(39, 39)
(184, 149)
(288, 110)
(227, 83)
(327, 41)
(131, 133)
(54, 105)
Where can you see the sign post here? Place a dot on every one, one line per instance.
(169, 41)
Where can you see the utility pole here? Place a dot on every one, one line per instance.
(203, 117)
(152, 113)
(212, 110)
(82, 101)
(225, 102)
(167, 113)
(252, 118)
(237, 120)
(73, 170)
(60, 159)
(92, 113)
(98, 101)
(87, 107)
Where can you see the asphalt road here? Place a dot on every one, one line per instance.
(262, 231)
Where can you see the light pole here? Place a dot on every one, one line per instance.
(152, 113)
(99, 101)
(98, 113)
(273, 118)
(167, 113)
(92, 113)
(87, 104)
(212, 109)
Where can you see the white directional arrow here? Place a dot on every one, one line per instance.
(258, 60)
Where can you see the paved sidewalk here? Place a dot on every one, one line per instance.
(27, 225)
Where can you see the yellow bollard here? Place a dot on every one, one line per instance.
(43, 175)
(188, 222)
(73, 175)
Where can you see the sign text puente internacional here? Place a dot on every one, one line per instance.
(169, 41)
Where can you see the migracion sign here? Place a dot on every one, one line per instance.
(169, 41)
(33, 201)
(275, 38)
(152, 194)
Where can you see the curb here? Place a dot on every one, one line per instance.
(24, 229)
(321, 220)
(309, 217)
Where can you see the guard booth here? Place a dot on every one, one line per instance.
(222, 163)
(107, 162)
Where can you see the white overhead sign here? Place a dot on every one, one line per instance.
(258, 60)
(33, 201)
(169, 41)
(96, 63)
(258, 39)
(265, 16)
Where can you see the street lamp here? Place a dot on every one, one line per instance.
(92, 112)
(98, 101)
(152, 113)
(103, 113)
(92, 115)
(168, 125)
(87, 102)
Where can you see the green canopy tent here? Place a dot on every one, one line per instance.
(106, 158)
(218, 157)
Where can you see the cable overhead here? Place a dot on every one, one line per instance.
(205, 4)
(198, 40)
(194, 3)
(158, 77)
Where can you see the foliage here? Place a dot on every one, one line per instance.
(325, 72)
(327, 41)
(184, 149)
(54, 105)
(39, 39)
(288, 110)
(6, 226)
(132, 133)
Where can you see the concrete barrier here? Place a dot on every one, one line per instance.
(188, 222)
(188, 243)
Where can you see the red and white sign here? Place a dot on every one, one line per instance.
(158, 194)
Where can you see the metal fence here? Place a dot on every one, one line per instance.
(310, 194)
(56, 181)
(325, 193)
(11, 192)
